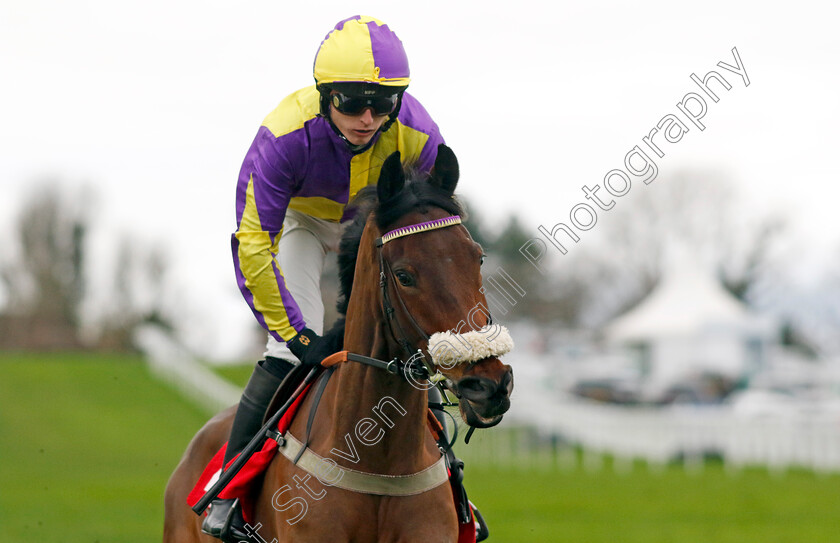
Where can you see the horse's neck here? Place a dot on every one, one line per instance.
(382, 414)
(384, 418)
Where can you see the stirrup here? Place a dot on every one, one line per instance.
(225, 521)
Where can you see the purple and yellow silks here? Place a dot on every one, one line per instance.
(298, 162)
(362, 49)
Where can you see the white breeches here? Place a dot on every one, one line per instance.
(302, 252)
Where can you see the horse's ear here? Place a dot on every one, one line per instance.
(445, 171)
(391, 178)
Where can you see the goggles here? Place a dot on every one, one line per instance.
(355, 105)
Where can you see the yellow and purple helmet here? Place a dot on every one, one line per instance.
(361, 49)
(361, 56)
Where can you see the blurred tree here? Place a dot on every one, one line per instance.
(138, 295)
(553, 299)
(505, 248)
(46, 284)
(475, 223)
(745, 256)
(687, 215)
(49, 281)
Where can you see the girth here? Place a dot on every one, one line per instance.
(331, 474)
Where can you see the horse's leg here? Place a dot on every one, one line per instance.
(181, 524)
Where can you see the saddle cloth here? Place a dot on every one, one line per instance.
(241, 486)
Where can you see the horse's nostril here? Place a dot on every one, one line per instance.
(474, 388)
(471, 385)
(507, 382)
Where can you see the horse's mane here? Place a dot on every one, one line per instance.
(418, 195)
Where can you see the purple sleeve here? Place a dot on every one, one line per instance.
(266, 185)
(267, 163)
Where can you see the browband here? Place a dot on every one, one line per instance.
(417, 228)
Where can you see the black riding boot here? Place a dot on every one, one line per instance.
(224, 520)
(456, 468)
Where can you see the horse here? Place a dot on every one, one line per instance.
(396, 294)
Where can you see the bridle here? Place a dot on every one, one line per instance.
(418, 363)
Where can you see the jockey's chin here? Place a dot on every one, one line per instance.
(358, 129)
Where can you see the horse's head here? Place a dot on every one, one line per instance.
(429, 289)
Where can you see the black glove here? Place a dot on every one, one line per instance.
(311, 349)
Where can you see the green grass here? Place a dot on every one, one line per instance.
(86, 446)
(88, 442)
(237, 374)
(672, 506)
(571, 496)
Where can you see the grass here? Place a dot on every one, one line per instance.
(672, 506)
(574, 496)
(88, 442)
(237, 374)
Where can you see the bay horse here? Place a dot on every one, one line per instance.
(370, 420)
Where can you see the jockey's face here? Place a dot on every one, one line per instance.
(358, 129)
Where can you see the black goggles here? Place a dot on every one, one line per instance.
(355, 105)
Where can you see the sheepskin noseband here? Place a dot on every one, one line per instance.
(448, 348)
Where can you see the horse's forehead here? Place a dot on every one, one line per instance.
(451, 244)
(420, 215)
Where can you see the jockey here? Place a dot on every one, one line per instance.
(311, 155)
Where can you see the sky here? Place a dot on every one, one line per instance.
(153, 105)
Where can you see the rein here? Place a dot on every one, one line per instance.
(395, 367)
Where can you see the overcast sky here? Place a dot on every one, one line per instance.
(153, 104)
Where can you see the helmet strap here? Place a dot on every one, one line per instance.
(393, 116)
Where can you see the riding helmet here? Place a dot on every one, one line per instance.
(361, 51)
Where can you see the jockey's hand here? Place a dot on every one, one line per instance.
(311, 349)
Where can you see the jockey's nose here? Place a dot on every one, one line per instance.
(367, 115)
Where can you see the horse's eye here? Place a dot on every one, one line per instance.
(482, 259)
(405, 278)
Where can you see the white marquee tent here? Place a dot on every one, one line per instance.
(690, 324)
